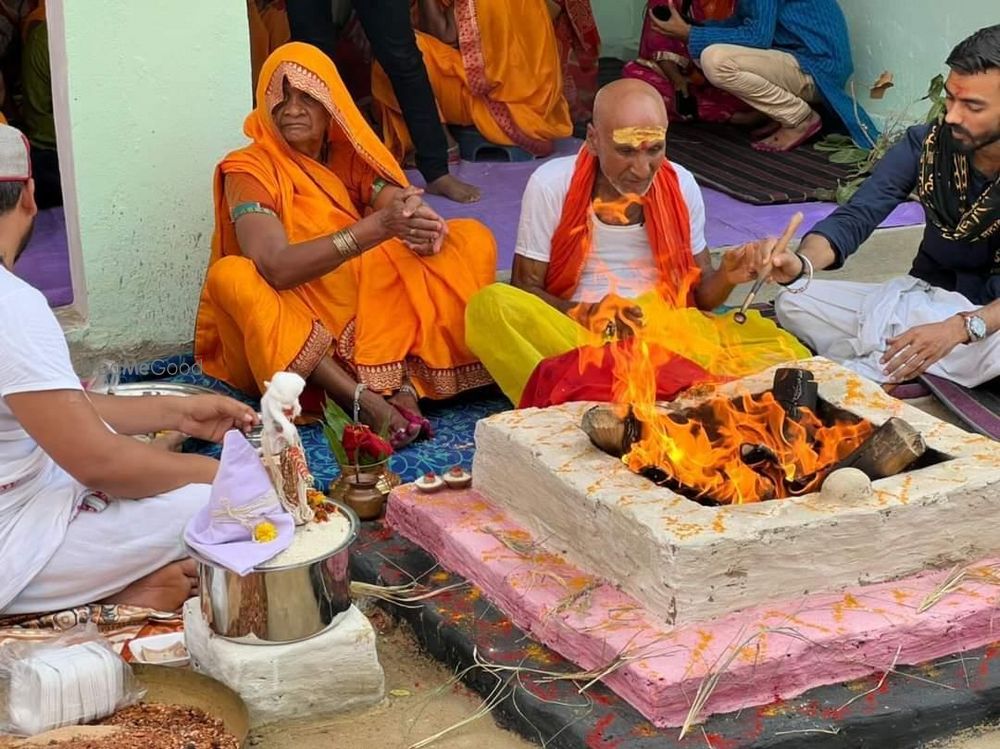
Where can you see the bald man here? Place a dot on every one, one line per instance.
(604, 237)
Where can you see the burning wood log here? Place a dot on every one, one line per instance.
(794, 389)
(609, 431)
(893, 448)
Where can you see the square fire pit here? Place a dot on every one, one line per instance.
(686, 562)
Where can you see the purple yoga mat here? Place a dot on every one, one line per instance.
(45, 262)
(728, 221)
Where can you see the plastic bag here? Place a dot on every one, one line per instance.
(70, 679)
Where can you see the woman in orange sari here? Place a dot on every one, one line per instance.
(494, 65)
(579, 49)
(268, 31)
(326, 263)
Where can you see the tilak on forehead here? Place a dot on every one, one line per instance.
(638, 136)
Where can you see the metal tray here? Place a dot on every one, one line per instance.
(154, 388)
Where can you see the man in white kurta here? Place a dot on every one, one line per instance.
(943, 317)
(76, 524)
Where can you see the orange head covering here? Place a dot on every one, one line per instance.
(311, 198)
(667, 225)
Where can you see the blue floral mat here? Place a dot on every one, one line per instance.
(454, 424)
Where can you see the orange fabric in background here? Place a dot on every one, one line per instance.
(579, 49)
(667, 225)
(506, 79)
(268, 31)
(388, 315)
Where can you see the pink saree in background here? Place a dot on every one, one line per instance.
(713, 104)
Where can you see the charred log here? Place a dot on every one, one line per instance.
(894, 447)
(609, 431)
(794, 389)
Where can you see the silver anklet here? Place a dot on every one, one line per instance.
(358, 390)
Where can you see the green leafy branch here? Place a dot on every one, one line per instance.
(843, 150)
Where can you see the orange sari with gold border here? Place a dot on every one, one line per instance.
(389, 316)
(505, 79)
(579, 49)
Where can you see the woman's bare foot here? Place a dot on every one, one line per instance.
(406, 399)
(376, 411)
(164, 590)
(453, 188)
(790, 138)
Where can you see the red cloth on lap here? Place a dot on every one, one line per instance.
(585, 374)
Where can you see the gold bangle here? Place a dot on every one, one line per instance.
(352, 241)
(344, 243)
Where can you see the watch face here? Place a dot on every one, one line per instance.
(977, 325)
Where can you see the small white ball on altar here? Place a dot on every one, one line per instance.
(846, 484)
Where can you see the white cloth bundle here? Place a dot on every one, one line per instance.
(51, 687)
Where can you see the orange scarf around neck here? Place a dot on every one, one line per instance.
(667, 225)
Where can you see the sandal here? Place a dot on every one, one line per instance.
(810, 133)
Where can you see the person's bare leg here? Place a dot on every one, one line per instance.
(166, 589)
(451, 187)
(405, 399)
(375, 411)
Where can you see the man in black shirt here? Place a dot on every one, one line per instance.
(943, 316)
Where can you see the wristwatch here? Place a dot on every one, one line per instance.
(975, 326)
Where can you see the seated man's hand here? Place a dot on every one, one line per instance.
(910, 354)
(786, 267)
(613, 317)
(747, 262)
(209, 417)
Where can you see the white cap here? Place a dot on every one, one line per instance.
(15, 155)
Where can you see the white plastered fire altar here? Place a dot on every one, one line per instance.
(602, 564)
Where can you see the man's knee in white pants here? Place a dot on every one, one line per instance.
(787, 308)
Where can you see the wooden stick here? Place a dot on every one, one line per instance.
(741, 315)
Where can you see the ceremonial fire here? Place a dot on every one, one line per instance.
(760, 446)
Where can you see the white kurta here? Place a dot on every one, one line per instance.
(52, 554)
(851, 322)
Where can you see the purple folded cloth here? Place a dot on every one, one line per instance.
(243, 524)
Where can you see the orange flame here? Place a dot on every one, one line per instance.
(616, 211)
(706, 456)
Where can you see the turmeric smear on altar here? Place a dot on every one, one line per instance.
(638, 137)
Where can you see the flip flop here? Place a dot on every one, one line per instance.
(807, 135)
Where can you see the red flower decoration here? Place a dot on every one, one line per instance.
(361, 442)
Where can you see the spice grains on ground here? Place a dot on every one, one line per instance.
(153, 726)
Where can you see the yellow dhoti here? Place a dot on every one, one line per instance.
(511, 331)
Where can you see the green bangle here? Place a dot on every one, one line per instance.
(246, 208)
(377, 186)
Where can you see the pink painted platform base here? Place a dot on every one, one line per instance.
(763, 654)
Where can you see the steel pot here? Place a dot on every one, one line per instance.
(276, 605)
